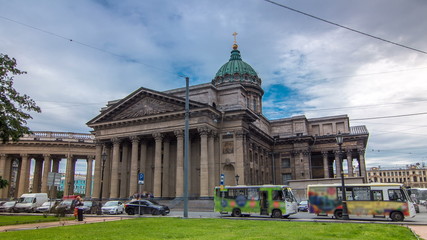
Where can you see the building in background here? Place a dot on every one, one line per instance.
(414, 176)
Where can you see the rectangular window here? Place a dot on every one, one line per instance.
(396, 195)
(377, 195)
(286, 177)
(286, 162)
(361, 193)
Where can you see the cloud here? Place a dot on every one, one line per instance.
(81, 54)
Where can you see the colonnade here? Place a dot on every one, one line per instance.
(16, 169)
(160, 156)
(347, 155)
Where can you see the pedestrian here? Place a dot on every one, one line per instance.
(78, 206)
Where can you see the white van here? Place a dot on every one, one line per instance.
(28, 202)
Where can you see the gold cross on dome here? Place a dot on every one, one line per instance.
(235, 34)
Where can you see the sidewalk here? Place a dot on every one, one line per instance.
(58, 224)
(420, 230)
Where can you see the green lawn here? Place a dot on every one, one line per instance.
(13, 220)
(177, 228)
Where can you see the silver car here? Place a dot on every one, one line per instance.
(113, 207)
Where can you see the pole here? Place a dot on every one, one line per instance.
(186, 140)
(344, 197)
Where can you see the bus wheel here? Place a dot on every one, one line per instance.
(396, 216)
(276, 213)
(236, 212)
(338, 214)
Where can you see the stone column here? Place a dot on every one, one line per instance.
(325, 164)
(204, 173)
(239, 155)
(37, 175)
(114, 187)
(67, 182)
(106, 187)
(133, 181)
(23, 175)
(143, 160)
(124, 171)
(166, 163)
(179, 191)
(211, 163)
(88, 190)
(97, 173)
(337, 164)
(3, 192)
(157, 183)
(350, 163)
(362, 165)
(46, 170)
(55, 168)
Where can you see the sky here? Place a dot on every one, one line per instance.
(81, 54)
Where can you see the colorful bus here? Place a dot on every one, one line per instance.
(373, 199)
(275, 200)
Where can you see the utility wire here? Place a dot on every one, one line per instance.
(90, 46)
(394, 116)
(341, 26)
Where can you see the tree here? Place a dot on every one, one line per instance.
(13, 105)
(3, 183)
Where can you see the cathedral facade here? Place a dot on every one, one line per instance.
(228, 135)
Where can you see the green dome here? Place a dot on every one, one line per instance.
(236, 70)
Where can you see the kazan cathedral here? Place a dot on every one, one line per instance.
(228, 135)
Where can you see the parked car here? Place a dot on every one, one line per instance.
(113, 207)
(147, 207)
(66, 206)
(303, 206)
(7, 206)
(89, 207)
(47, 206)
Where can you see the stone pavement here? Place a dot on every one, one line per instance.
(31, 226)
(420, 230)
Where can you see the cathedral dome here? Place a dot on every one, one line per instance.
(236, 70)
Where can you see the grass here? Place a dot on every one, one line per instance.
(14, 220)
(177, 228)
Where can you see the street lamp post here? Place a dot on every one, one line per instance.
(104, 158)
(237, 179)
(340, 140)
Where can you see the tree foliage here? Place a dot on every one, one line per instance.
(3, 183)
(13, 105)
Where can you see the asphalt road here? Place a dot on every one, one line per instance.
(419, 219)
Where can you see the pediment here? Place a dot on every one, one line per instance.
(147, 106)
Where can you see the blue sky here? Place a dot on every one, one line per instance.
(81, 54)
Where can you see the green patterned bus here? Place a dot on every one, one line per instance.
(274, 200)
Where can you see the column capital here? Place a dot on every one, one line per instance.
(116, 140)
(325, 153)
(203, 131)
(179, 133)
(361, 150)
(134, 139)
(46, 155)
(24, 155)
(90, 157)
(158, 136)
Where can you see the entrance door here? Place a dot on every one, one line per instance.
(263, 197)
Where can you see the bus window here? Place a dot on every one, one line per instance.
(377, 195)
(253, 194)
(361, 193)
(277, 195)
(395, 195)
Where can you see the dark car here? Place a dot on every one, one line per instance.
(66, 206)
(89, 207)
(303, 206)
(146, 207)
(7, 206)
